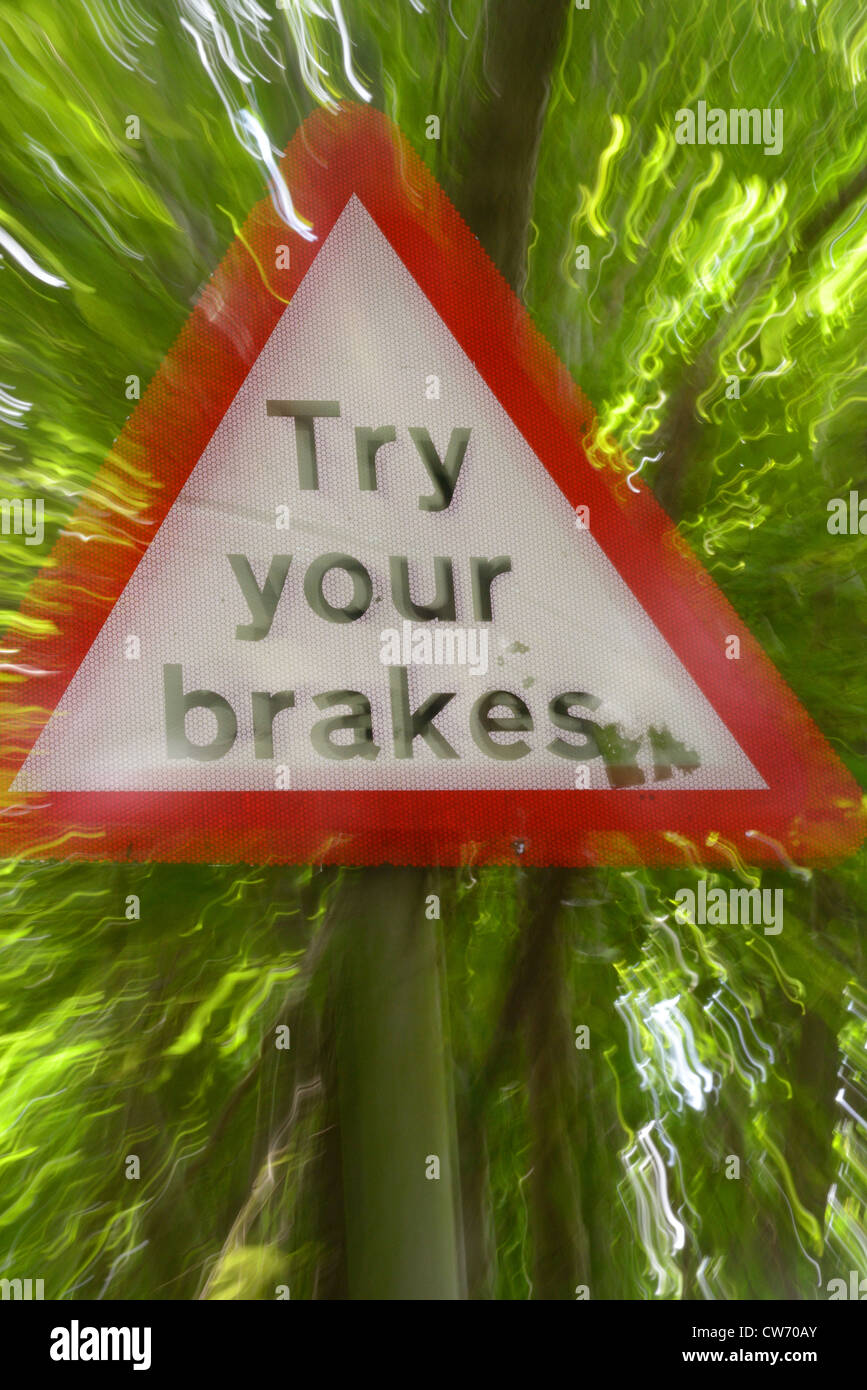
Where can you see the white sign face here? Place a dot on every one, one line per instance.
(280, 610)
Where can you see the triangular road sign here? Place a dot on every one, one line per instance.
(374, 605)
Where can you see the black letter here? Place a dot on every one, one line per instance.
(178, 706)
(265, 708)
(408, 726)
(443, 606)
(362, 589)
(262, 603)
(483, 724)
(304, 413)
(359, 720)
(444, 475)
(562, 719)
(367, 443)
(484, 572)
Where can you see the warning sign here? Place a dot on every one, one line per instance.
(378, 606)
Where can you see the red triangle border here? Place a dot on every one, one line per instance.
(812, 810)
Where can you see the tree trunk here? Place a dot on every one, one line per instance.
(493, 152)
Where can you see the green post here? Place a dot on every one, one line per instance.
(396, 1112)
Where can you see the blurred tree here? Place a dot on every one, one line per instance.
(613, 1166)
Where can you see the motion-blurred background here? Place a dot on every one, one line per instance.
(607, 1168)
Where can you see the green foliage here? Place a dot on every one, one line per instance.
(156, 1037)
